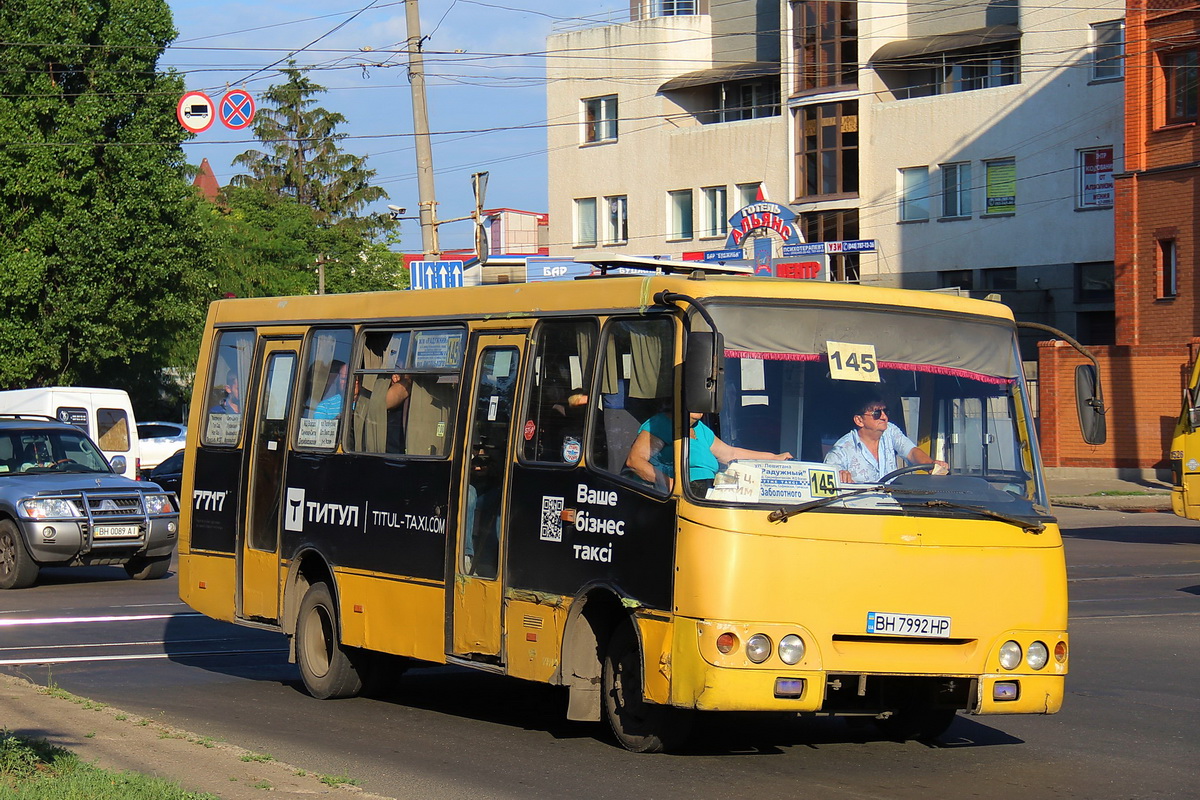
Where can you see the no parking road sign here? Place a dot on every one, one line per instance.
(195, 112)
(237, 109)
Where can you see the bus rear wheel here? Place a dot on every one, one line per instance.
(324, 664)
(639, 726)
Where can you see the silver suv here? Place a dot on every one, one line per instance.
(62, 504)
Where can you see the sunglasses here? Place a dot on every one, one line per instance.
(875, 413)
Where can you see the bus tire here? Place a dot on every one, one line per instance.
(920, 724)
(639, 726)
(17, 567)
(148, 569)
(325, 665)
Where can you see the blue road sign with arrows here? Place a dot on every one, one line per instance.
(435, 274)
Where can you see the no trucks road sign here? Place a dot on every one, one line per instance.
(195, 112)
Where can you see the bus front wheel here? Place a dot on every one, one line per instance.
(639, 726)
(324, 663)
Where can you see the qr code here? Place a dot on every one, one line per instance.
(552, 508)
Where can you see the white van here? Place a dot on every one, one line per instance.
(105, 414)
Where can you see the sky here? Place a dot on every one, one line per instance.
(485, 86)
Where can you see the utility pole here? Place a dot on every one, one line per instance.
(425, 188)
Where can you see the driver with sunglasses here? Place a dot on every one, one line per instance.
(870, 451)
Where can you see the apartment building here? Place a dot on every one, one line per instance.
(663, 125)
(974, 143)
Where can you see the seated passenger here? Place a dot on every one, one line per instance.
(651, 459)
(330, 406)
(867, 453)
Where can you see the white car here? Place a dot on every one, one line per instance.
(159, 441)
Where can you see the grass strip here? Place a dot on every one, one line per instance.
(34, 769)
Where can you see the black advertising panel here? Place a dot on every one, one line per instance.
(367, 512)
(571, 527)
(216, 499)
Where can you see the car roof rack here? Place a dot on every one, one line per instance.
(24, 415)
(663, 266)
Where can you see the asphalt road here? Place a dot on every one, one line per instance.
(1130, 726)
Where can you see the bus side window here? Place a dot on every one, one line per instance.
(381, 392)
(636, 383)
(326, 366)
(558, 400)
(231, 358)
(405, 392)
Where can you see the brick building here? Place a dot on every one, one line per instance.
(1157, 327)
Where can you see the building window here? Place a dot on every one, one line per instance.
(1168, 276)
(1180, 72)
(827, 150)
(1000, 279)
(600, 119)
(1108, 50)
(825, 38)
(1094, 282)
(680, 211)
(834, 226)
(715, 221)
(956, 279)
(1001, 191)
(747, 193)
(740, 100)
(956, 189)
(957, 71)
(914, 194)
(1095, 177)
(616, 227)
(585, 222)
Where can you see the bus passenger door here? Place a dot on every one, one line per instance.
(258, 551)
(478, 579)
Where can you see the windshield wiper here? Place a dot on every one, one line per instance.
(1032, 527)
(784, 514)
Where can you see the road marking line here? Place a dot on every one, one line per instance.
(17, 662)
(1141, 616)
(4, 623)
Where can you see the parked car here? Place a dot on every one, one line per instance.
(159, 440)
(169, 474)
(62, 504)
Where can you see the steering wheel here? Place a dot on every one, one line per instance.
(896, 473)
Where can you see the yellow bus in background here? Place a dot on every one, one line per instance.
(452, 476)
(1185, 452)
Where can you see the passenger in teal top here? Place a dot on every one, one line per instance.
(653, 460)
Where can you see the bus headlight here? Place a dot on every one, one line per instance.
(1037, 656)
(158, 504)
(1010, 655)
(791, 649)
(758, 648)
(49, 508)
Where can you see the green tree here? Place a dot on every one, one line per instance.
(305, 161)
(100, 241)
(266, 244)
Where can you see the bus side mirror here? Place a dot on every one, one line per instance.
(1090, 404)
(704, 372)
(1193, 411)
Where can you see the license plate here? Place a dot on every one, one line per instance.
(908, 625)
(114, 531)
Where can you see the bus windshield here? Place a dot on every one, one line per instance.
(815, 381)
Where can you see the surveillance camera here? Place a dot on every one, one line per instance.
(397, 209)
